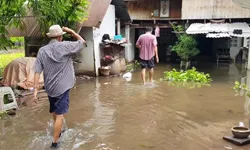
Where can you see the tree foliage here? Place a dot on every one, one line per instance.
(10, 14)
(47, 12)
(62, 12)
(186, 46)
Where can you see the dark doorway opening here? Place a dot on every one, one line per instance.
(205, 45)
(167, 38)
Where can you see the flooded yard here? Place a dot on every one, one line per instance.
(113, 114)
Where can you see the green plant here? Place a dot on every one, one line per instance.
(18, 42)
(62, 12)
(132, 66)
(241, 87)
(189, 76)
(11, 13)
(185, 47)
(238, 86)
(178, 28)
(47, 12)
(2, 114)
(5, 59)
(17, 39)
(188, 85)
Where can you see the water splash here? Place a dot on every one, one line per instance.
(50, 127)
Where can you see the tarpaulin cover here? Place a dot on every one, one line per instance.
(20, 73)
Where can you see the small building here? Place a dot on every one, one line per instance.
(218, 13)
(221, 27)
(101, 20)
(154, 13)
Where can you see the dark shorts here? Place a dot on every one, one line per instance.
(59, 105)
(147, 63)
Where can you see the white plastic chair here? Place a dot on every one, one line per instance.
(6, 93)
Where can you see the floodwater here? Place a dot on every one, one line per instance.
(113, 114)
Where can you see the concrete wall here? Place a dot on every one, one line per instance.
(130, 49)
(236, 44)
(90, 56)
(129, 34)
(108, 23)
(246, 42)
(86, 56)
(107, 27)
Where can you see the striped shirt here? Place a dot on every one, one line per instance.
(147, 42)
(55, 61)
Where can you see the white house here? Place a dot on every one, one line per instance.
(101, 20)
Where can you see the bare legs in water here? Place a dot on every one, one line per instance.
(151, 75)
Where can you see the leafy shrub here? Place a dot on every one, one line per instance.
(191, 76)
(132, 66)
(241, 87)
(18, 42)
(5, 59)
(186, 47)
(238, 86)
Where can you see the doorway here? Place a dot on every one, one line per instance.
(166, 39)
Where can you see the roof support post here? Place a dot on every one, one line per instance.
(127, 32)
(118, 26)
(248, 59)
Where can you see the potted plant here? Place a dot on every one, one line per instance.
(185, 48)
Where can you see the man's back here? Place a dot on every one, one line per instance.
(55, 61)
(147, 43)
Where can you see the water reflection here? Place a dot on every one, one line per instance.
(188, 85)
(99, 126)
(111, 113)
(104, 112)
(234, 72)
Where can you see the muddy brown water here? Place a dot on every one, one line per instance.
(113, 114)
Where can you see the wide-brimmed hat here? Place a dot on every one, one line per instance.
(55, 31)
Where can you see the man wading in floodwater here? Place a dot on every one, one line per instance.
(147, 44)
(54, 60)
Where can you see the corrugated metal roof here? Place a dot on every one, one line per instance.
(201, 28)
(212, 9)
(218, 35)
(96, 12)
(243, 26)
(219, 29)
(31, 28)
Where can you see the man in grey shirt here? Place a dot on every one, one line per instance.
(55, 61)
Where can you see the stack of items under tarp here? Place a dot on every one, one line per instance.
(19, 73)
(112, 55)
(117, 39)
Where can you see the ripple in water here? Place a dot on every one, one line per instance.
(70, 139)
